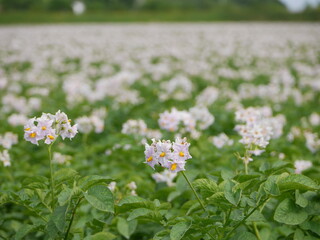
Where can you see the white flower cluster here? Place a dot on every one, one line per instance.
(178, 88)
(59, 158)
(221, 140)
(301, 165)
(186, 121)
(132, 186)
(48, 127)
(20, 104)
(172, 156)
(259, 126)
(17, 119)
(314, 119)
(5, 158)
(139, 128)
(165, 176)
(87, 124)
(312, 141)
(208, 96)
(8, 139)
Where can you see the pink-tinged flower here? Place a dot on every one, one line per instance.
(150, 155)
(168, 155)
(163, 152)
(176, 166)
(181, 150)
(44, 127)
(69, 132)
(29, 125)
(50, 137)
(49, 127)
(32, 135)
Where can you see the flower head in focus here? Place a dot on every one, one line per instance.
(49, 127)
(172, 156)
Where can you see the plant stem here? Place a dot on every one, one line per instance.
(245, 218)
(194, 191)
(246, 168)
(51, 176)
(72, 217)
(256, 230)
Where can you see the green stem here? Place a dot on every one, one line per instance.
(246, 168)
(72, 217)
(256, 230)
(194, 191)
(9, 174)
(51, 176)
(245, 218)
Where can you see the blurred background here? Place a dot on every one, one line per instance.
(46, 11)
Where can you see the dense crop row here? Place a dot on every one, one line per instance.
(175, 132)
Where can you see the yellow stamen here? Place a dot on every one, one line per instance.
(69, 120)
(149, 159)
(32, 135)
(44, 128)
(173, 167)
(51, 137)
(27, 129)
(181, 154)
(162, 154)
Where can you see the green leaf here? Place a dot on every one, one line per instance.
(311, 226)
(298, 235)
(59, 217)
(232, 196)
(24, 230)
(64, 175)
(101, 236)
(138, 213)
(244, 236)
(226, 174)
(64, 196)
(178, 230)
(36, 182)
(289, 213)
(301, 200)
(133, 202)
(256, 216)
(271, 187)
(297, 181)
(219, 199)
(100, 197)
(126, 228)
(86, 182)
(206, 187)
(164, 234)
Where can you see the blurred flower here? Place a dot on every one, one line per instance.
(5, 158)
(8, 139)
(302, 165)
(221, 140)
(165, 176)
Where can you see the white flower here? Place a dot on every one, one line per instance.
(8, 139)
(112, 186)
(49, 127)
(5, 158)
(221, 140)
(61, 158)
(165, 176)
(302, 165)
